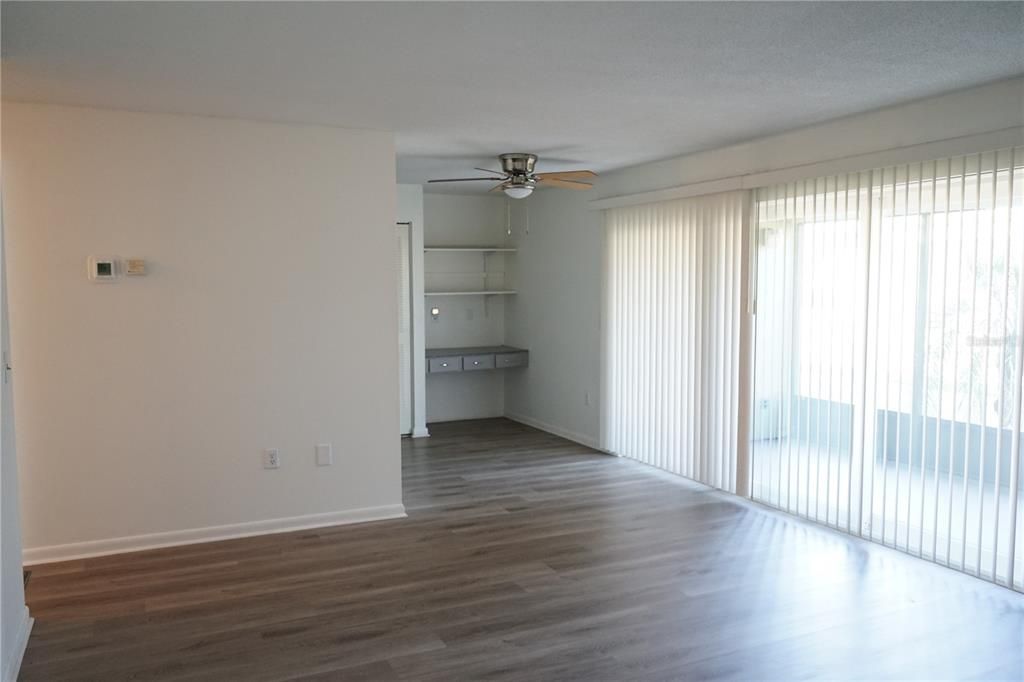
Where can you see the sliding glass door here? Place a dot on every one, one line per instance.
(673, 317)
(888, 357)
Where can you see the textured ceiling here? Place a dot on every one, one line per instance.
(598, 85)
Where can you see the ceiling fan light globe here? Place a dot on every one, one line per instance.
(518, 192)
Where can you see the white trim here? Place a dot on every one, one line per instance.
(956, 146)
(18, 646)
(421, 432)
(410, 210)
(134, 543)
(575, 437)
(694, 189)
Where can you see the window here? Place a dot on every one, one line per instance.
(887, 357)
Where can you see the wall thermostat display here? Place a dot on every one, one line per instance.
(102, 269)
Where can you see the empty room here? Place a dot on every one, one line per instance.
(459, 341)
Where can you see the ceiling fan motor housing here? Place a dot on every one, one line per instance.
(518, 164)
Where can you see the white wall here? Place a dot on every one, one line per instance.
(561, 260)
(410, 210)
(461, 220)
(556, 315)
(268, 318)
(14, 619)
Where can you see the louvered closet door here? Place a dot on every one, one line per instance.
(888, 357)
(672, 330)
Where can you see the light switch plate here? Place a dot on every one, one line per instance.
(324, 455)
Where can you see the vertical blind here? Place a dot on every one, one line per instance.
(672, 331)
(888, 357)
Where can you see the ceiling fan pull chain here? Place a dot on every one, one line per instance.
(508, 217)
(527, 217)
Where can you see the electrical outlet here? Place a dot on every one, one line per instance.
(271, 458)
(324, 455)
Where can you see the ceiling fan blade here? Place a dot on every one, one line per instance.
(488, 170)
(463, 180)
(564, 184)
(569, 175)
(499, 187)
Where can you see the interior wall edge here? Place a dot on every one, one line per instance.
(135, 543)
(13, 664)
(15, 620)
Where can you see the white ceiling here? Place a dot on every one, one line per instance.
(594, 85)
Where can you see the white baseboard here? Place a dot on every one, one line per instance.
(134, 543)
(13, 664)
(444, 419)
(580, 438)
(421, 432)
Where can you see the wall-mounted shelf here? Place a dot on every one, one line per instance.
(503, 292)
(445, 360)
(448, 281)
(470, 249)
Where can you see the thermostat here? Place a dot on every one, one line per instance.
(102, 269)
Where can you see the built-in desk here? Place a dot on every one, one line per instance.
(475, 358)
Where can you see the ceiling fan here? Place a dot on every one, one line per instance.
(518, 180)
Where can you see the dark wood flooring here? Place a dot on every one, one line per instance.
(525, 557)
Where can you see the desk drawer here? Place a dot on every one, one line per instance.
(446, 364)
(472, 362)
(520, 359)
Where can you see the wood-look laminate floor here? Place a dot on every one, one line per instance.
(525, 557)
